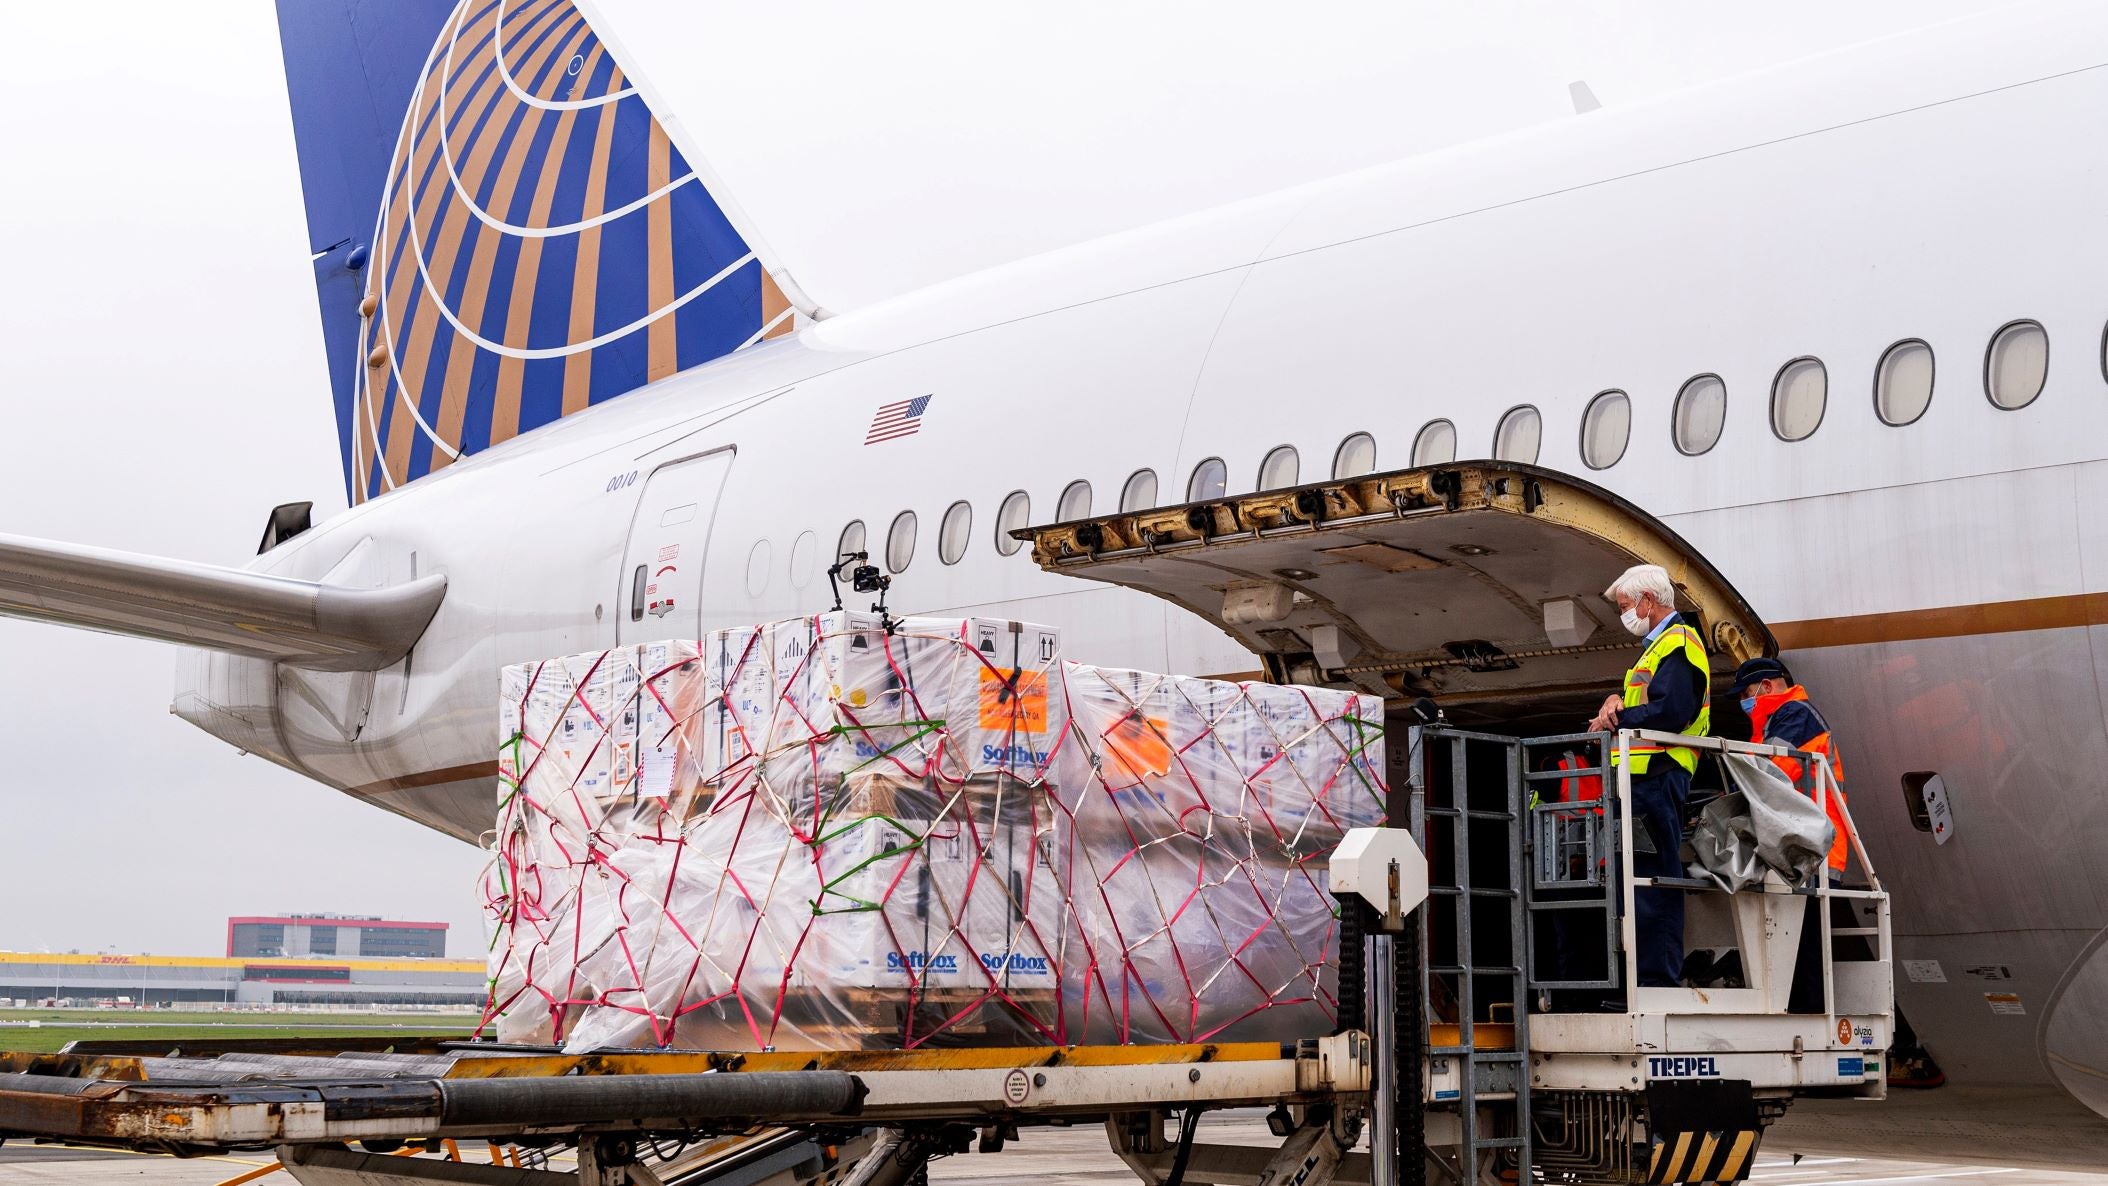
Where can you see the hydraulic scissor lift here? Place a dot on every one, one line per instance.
(1448, 1064)
(1536, 1057)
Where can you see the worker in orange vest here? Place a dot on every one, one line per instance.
(1780, 713)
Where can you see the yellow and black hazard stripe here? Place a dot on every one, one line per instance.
(1691, 1158)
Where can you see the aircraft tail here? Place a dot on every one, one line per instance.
(503, 232)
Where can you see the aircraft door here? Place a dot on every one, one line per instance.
(662, 564)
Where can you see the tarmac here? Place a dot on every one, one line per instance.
(1043, 1157)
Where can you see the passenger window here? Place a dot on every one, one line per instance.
(1436, 444)
(1518, 436)
(1210, 479)
(900, 541)
(1356, 456)
(852, 540)
(803, 550)
(2017, 364)
(1280, 468)
(1140, 491)
(1075, 502)
(1903, 382)
(1015, 513)
(1700, 414)
(758, 568)
(954, 531)
(1798, 396)
(1606, 428)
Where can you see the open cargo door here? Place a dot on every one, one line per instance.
(1472, 583)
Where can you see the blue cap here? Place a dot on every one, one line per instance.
(1753, 670)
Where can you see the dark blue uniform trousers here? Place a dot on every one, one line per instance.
(1658, 798)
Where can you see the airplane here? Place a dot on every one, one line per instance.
(580, 403)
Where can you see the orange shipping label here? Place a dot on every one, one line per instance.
(1138, 745)
(1014, 701)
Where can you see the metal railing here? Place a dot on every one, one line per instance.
(1445, 809)
(1818, 781)
(1575, 844)
(1573, 847)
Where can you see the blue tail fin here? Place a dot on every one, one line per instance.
(503, 232)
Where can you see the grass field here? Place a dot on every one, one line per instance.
(56, 1027)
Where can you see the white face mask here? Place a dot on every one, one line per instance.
(1634, 623)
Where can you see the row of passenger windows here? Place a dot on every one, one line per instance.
(2016, 366)
(1210, 479)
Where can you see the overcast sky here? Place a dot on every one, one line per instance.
(162, 382)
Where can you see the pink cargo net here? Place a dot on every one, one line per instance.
(1200, 815)
(818, 834)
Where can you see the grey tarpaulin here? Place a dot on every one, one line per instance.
(1765, 821)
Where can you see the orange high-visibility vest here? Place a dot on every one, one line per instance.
(1586, 788)
(1760, 717)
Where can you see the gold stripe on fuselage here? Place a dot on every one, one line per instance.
(1948, 621)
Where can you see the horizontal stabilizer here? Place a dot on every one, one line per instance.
(300, 623)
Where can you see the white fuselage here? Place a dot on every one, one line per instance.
(1936, 187)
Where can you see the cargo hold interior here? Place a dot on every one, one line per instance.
(1477, 585)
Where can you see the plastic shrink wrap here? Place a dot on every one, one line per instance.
(567, 778)
(830, 836)
(1199, 815)
(832, 839)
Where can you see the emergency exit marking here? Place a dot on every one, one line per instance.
(2006, 1003)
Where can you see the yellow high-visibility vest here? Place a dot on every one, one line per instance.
(1675, 638)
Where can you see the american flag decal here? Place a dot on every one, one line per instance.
(897, 420)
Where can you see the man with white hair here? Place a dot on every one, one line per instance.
(1666, 691)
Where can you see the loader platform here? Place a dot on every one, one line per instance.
(239, 1100)
(1460, 1052)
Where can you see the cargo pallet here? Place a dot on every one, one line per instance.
(1448, 1059)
